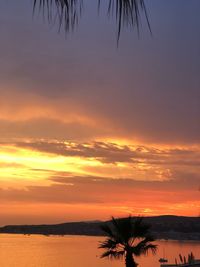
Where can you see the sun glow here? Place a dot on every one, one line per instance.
(19, 163)
(94, 175)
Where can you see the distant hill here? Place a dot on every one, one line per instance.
(163, 227)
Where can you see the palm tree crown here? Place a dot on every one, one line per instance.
(127, 238)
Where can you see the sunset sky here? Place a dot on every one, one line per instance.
(89, 129)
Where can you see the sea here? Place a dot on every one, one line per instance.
(78, 251)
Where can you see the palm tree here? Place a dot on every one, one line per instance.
(67, 12)
(127, 238)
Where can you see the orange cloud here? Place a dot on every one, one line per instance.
(106, 178)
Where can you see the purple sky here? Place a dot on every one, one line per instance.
(142, 96)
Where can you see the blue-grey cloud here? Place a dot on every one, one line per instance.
(148, 88)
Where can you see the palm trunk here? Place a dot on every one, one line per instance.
(130, 261)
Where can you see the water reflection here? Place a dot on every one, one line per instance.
(75, 251)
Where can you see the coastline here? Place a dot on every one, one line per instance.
(163, 228)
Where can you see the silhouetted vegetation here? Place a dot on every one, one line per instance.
(127, 238)
(67, 12)
(190, 259)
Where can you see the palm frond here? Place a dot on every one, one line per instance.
(150, 247)
(112, 229)
(123, 228)
(109, 244)
(106, 228)
(128, 13)
(113, 254)
(127, 236)
(141, 228)
(67, 12)
(144, 246)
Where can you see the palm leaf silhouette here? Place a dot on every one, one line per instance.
(127, 238)
(67, 12)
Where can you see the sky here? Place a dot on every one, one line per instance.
(89, 129)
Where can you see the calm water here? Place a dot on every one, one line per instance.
(75, 251)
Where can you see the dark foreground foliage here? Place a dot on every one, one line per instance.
(127, 238)
(67, 12)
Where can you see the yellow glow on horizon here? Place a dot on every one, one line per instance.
(30, 164)
(23, 165)
(20, 163)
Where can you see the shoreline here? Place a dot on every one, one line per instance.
(89, 235)
(163, 227)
